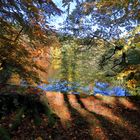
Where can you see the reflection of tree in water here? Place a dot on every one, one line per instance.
(64, 67)
(73, 68)
(78, 67)
(68, 66)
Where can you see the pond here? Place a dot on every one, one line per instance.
(76, 88)
(79, 72)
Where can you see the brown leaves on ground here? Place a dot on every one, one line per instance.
(88, 118)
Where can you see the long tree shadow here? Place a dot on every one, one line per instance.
(105, 124)
(108, 127)
(80, 102)
(113, 129)
(130, 114)
(135, 100)
(79, 124)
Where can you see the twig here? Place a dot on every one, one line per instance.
(18, 34)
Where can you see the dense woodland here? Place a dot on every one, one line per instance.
(98, 40)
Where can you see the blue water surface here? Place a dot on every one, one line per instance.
(75, 88)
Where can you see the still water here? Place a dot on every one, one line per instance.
(79, 73)
(75, 88)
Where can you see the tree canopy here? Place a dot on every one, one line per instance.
(112, 26)
(24, 27)
(115, 25)
(108, 19)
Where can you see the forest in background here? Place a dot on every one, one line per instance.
(97, 41)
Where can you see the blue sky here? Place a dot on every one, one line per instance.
(58, 20)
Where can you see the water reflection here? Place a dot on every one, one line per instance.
(76, 88)
(77, 72)
(105, 89)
